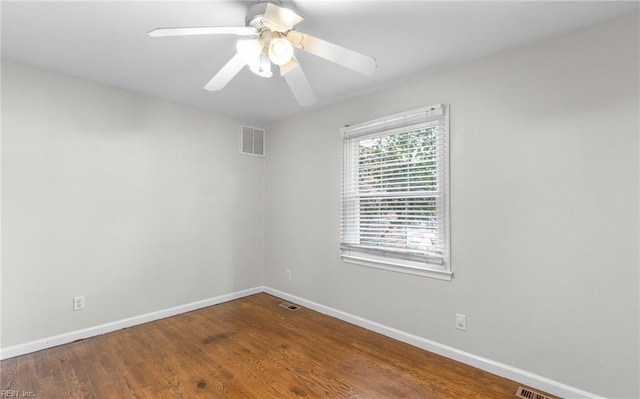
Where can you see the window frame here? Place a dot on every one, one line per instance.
(439, 268)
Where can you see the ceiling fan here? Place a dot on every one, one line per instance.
(271, 39)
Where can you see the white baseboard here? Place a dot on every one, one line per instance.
(65, 338)
(503, 370)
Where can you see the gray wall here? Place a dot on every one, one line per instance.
(544, 208)
(137, 203)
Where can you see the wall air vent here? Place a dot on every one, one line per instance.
(526, 393)
(252, 141)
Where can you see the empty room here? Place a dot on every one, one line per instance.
(320, 199)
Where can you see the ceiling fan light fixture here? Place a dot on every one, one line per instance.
(280, 51)
(262, 68)
(269, 28)
(249, 50)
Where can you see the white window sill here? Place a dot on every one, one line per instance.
(396, 266)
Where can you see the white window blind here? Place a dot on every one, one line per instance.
(395, 190)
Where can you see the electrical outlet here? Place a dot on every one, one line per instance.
(78, 303)
(461, 322)
(289, 275)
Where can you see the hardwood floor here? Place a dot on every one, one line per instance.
(248, 348)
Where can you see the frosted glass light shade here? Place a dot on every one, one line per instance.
(280, 51)
(249, 50)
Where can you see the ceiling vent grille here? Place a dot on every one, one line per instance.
(252, 141)
(525, 393)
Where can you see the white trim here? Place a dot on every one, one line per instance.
(397, 266)
(491, 366)
(33, 346)
(348, 130)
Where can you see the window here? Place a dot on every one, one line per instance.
(395, 193)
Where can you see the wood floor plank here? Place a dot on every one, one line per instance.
(249, 348)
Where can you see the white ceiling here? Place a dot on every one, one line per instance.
(107, 42)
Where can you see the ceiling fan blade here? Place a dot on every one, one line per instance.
(204, 30)
(280, 19)
(293, 63)
(332, 52)
(298, 83)
(226, 73)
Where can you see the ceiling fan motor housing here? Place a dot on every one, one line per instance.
(255, 19)
(255, 13)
